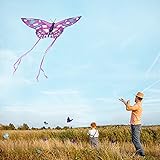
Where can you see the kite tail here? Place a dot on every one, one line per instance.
(40, 67)
(15, 66)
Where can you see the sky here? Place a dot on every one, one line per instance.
(113, 51)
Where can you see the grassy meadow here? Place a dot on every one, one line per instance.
(72, 144)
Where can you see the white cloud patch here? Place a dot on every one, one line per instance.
(54, 114)
(52, 106)
(128, 41)
(151, 117)
(107, 100)
(61, 92)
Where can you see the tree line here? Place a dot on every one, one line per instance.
(25, 126)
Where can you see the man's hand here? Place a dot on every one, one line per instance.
(122, 100)
(128, 103)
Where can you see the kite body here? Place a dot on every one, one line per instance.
(51, 28)
(69, 120)
(45, 29)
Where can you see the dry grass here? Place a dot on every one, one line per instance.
(56, 145)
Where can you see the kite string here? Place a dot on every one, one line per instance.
(151, 85)
(148, 71)
(40, 67)
(17, 63)
(153, 64)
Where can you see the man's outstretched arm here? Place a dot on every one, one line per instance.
(128, 106)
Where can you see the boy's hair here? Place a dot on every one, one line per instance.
(93, 125)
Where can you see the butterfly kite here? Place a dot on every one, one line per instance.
(69, 120)
(45, 123)
(45, 29)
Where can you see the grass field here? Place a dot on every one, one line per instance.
(115, 144)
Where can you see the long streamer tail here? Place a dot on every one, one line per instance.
(40, 67)
(17, 63)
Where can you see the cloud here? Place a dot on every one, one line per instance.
(55, 114)
(54, 107)
(107, 100)
(152, 100)
(151, 117)
(61, 92)
(11, 85)
(128, 41)
(154, 91)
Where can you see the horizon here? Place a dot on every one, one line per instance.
(70, 127)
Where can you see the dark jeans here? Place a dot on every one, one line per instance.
(136, 131)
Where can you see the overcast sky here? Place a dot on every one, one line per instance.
(113, 51)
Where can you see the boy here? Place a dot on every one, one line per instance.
(93, 135)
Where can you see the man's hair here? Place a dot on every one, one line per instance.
(140, 99)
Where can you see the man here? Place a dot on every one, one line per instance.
(135, 121)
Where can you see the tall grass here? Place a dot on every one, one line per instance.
(115, 144)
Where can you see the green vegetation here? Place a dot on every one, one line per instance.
(72, 144)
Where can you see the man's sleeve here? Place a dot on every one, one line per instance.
(132, 108)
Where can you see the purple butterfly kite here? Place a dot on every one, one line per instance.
(45, 29)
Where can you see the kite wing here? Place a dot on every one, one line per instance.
(42, 27)
(36, 23)
(67, 22)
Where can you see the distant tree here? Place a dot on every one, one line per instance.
(65, 127)
(1, 126)
(43, 127)
(11, 126)
(23, 127)
(5, 127)
(33, 128)
(58, 127)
